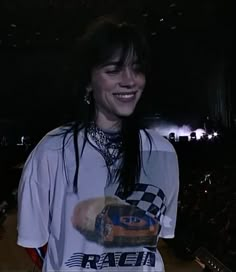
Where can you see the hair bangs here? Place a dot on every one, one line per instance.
(125, 44)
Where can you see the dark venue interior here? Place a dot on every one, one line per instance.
(189, 99)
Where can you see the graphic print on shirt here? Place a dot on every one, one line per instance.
(148, 198)
(115, 222)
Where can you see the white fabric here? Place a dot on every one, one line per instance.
(97, 229)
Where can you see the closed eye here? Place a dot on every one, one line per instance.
(113, 70)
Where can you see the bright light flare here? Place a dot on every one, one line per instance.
(199, 133)
(185, 130)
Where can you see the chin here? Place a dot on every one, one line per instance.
(125, 112)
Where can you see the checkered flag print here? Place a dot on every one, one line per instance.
(148, 198)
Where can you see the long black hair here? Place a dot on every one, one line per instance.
(98, 45)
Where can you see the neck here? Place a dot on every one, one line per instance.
(108, 125)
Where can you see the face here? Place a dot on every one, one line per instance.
(116, 90)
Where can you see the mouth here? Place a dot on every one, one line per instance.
(127, 96)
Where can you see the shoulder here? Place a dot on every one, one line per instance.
(158, 142)
(58, 139)
(52, 142)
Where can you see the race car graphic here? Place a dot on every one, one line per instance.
(126, 225)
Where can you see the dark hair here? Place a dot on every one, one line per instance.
(100, 42)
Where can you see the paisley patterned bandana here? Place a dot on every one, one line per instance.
(109, 144)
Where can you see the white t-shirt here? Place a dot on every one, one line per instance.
(97, 229)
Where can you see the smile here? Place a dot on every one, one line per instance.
(125, 97)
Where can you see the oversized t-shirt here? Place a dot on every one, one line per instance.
(97, 229)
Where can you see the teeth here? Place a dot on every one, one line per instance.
(124, 95)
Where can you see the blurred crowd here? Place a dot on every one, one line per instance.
(207, 202)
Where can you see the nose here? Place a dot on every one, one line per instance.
(127, 77)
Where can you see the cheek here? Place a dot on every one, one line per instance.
(97, 91)
(142, 82)
(99, 84)
(101, 89)
(99, 95)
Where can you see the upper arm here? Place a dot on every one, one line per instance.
(163, 168)
(172, 190)
(33, 201)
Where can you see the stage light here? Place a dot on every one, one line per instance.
(210, 136)
(193, 136)
(215, 134)
(172, 136)
(199, 133)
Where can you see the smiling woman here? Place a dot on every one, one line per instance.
(117, 88)
(100, 191)
(112, 63)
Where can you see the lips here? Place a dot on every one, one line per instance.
(125, 97)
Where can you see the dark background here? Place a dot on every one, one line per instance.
(192, 58)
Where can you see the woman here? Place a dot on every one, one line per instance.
(99, 192)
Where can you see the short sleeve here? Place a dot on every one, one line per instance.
(33, 201)
(172, 187)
